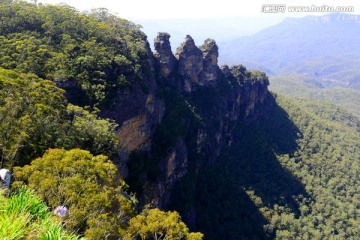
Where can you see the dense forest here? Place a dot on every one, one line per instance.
(295, 176)
(291, 174)
(301, 86)
(60, 44)
(76, 52)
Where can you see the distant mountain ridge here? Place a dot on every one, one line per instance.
(326, 47)
(326, 19)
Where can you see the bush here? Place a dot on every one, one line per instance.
(25, 216)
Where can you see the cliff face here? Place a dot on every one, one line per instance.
(137, 109)
(206, 109)
(180, 112)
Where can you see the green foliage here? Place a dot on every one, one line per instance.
(35, 115)
(327, 164)
(83, 52)
(87, 185)
(98, 206)
(157, 225)
(82, 182)
(301, 86)
(257, 75)
(30, 110)
(295, 176)
(24, 200)
(91, 56)
(25, 216)
(86, 130)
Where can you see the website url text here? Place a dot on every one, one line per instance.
(282, 8)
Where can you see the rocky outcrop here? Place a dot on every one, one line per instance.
(137, 109)
(226, 71)
(197, 108)
(221, 103)
(252, 96)
(191, 64)
(211, 69)
(197, 66)
(164, 54)
(255, 96)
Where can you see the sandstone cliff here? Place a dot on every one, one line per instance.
(206, 110)
(179, 112)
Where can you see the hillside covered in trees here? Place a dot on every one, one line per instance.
(294, 176)
(93, 122)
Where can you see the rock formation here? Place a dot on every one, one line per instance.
(194, 108)
(191, 64)
(225, 100)
(211, 69)
(5, 177)
(164, 54)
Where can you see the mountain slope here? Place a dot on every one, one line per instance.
(306, 87)
(325, 47)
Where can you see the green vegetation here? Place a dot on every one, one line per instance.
(87, 185)
(25, 216)
(88, 54)
(96, 199)
(157, 225)
(35, 116)
(301, 86)
(339, 70)
(295, 176)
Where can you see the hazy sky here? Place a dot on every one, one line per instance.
(222, 20)
(150, 9)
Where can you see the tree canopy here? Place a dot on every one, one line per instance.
(159, 225)
(96, 199)
(294, 176)
(92, 53)
(87, 185)
(35, 116)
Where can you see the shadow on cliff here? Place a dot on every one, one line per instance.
(249, 172)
